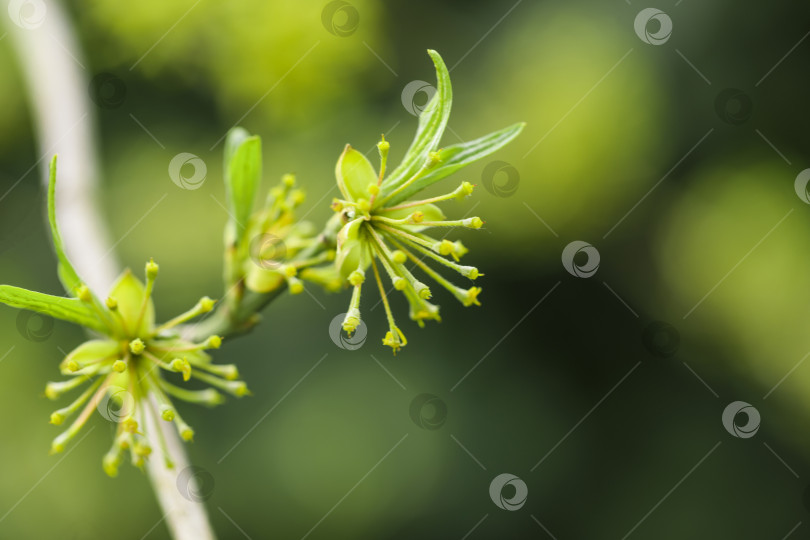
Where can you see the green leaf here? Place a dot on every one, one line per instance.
(460, 155)
(129, 292)
(67, 274)
(354, 173)
(58, 307)
(243, 171)
(432, 122)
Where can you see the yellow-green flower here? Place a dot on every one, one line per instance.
(128, 366)
(382, 222)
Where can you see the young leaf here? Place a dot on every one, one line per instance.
(354, 174)
(67, 274)
(243, 170)
(432, 122)
(460, 155)
(67, 309)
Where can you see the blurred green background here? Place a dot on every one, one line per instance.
(623, 418)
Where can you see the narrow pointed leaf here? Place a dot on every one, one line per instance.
(58, 307)
(432, 123)
(67, 274)
(243, 170)
(458, 156)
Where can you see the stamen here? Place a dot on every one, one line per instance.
(53, 390)
(352, 319)
(204, 305)
(237, 388)
(208, 396)
(59, 416)
(459, 193)
(470, 272)
(392, 337)
(58, 444)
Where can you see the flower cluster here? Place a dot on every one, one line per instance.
(124, 370)
(132, 368)
(382, 223)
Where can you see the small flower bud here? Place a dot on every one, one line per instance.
(84, 294)
(357, 277)
(206, 304)
(297, 197)
(136, 346)
(296, 286)
(373, 189)
(187, 433)
(213, 342)
(288, 180)
(112, 303)
(398, 256)
(445, 247)
(473, 223)
(152, 269)
(130, 425)
(383, 146)
(289, 270)
(57, 418)
(364, 206)
(120, 366)
(464, 190)
(167, 413)
(400, 283)
(110, 464)
(417, 217)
